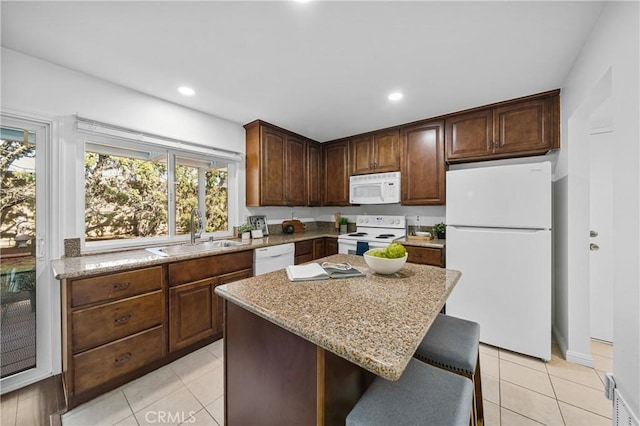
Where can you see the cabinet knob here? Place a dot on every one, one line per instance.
(594, 247)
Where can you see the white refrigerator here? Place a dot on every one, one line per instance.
(499, 236)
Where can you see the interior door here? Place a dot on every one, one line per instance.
(601, 240)
(25, 305)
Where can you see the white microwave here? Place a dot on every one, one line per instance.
(376, 188)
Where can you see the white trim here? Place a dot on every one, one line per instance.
(579, 358)
(571, 356)
(86, 125)
(48, 338)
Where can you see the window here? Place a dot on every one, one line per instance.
(136, 192)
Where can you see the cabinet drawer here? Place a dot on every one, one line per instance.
(101, 324)
(97, 366)
(115, 286)
(205, 267)
(304, 247)
(425, 256)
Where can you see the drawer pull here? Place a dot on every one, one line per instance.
(121, 286)
(123, 357)
(122, 320)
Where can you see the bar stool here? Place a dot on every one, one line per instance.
(453, 344)
(423, 395)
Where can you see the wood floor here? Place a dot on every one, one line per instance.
(34, 404)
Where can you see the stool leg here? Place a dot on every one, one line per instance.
(478, 394)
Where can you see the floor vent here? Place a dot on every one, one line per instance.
(623, 416)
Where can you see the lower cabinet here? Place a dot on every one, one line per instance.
(112, 326)
(309, 250)
(330, 246)
(303, 252)
(117, 327)
(195, 312)
(191, 313)
(426, 255)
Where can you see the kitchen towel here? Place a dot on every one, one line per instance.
(361, 247)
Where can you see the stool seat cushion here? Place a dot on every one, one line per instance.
(423, 395)
(451, 343)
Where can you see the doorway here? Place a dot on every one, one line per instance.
(25, 299)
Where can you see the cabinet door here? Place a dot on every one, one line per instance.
(423, 165)
(386, 152)
(191, 317)
(272, 168)
(335, 156)
(469, 135)
(318, 248)
(362, 156)
(314, 167)
(218, 302)
(296, 172)
(525, 126)
(331, 246)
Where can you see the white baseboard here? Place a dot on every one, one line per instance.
(571, 356)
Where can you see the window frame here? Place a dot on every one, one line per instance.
(187, 151)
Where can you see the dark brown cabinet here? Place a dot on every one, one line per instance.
(525, 126)
(314, 174)
(423, 168)
(426, 255)
(112, 325)
(335, 173)
(276, 166)
(191, 313)
(194, 308)
(375, 152)
(319, 248)
(303, 252)
(330, 246)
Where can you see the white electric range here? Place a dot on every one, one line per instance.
(375, 231)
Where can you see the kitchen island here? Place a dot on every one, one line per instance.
(304, 352)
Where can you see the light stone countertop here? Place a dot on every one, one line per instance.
(376, 321)
(116, 261)
(109, 262)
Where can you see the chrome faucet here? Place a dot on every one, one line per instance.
(196, 213)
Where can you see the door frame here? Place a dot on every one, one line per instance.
(48, 326)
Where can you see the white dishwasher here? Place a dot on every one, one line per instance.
(273, 258)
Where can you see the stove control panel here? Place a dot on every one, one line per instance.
(381, 221)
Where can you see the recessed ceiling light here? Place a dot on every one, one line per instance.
(187, 91)
(395, 96)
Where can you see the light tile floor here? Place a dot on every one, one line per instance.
(517, 390)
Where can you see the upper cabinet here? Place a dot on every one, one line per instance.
(314, 174)
(375, 152)
(277, 163)
(525, 126)
(423, 167)
(335, 173)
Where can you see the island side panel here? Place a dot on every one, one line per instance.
(270, 373)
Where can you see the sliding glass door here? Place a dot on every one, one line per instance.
(24, 275)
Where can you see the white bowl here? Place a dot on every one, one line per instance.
(383, 265)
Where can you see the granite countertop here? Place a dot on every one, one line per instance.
(435, 243)
(101, 263)
(376, 321)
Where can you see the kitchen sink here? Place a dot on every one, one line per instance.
(195, 248)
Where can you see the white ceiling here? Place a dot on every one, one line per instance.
(322, 69)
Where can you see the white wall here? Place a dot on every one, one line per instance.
(35, 88)
(613, 46)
